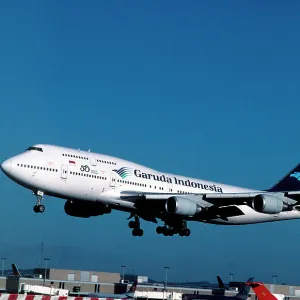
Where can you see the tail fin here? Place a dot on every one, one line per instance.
(132, 288)
(244, 291)
(261, 291)
(15, 270)
(220, 282)
(290, 182)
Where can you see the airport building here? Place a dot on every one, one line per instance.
(84, 282)
(73, 280)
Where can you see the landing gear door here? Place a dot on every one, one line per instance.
(64, 172)
(112, 180)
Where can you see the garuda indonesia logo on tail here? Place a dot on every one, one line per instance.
(296, 175)
(123, 172)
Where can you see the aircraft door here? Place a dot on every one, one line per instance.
(92, 159)
(112, 179)
(170, 188)
(64, 172)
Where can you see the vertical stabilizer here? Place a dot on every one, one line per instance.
(261, 291)
(15, 270)
(132, 288)
(220, 282)
(244, 291)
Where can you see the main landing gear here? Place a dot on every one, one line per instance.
(39, 208)
(136, 227)
(172, 229)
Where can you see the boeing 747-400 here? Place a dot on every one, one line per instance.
(95, 184)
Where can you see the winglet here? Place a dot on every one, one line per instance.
(261, 291)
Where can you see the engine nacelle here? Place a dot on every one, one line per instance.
(181, 206)
(267, 204)
(84, 209)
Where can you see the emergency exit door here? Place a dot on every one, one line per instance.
(112, 180)
(64, 172)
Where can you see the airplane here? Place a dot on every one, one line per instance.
(220, 283)
(95, 184)
(15, 270)
(221, 287)
(263, 293)
(243, 294)
(16, 273)
(129, 294)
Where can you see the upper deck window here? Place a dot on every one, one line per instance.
(35, 149)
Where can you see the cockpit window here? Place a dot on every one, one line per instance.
(35, 149)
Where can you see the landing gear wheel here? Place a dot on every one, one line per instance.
(182, 232)
(137, 232)
(132, 224)
(166, 231)
(36, 209)
(159, 230)
(39, 208)
(187, 232)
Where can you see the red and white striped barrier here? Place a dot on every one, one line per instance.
(41, 297)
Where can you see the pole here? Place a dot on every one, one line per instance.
(166, 282)
(231, 278)
(42, 251)
(3, 259)
(45, 274)
(274, 279)
(123, 275)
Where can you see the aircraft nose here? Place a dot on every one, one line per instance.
(6, 166)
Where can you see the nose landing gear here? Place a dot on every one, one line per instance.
(39, 208)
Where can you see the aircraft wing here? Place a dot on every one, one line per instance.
(206, 206)
(210, 199)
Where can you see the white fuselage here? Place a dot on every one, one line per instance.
(80, 175)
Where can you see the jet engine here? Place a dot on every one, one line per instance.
(181, 206)
(85, 209)
(267, 204)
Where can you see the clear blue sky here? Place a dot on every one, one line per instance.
(198, 88)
